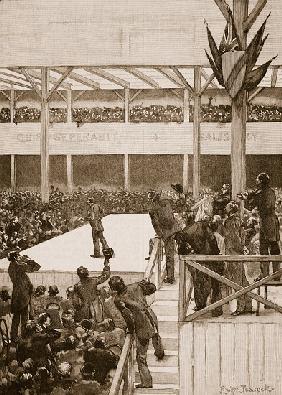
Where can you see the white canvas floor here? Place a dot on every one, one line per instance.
(127, 234)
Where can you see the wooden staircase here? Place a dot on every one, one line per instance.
(165, 373)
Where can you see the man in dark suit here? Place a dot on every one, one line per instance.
(95, 220)
(22, 291)
(141, 320)
(165, 226)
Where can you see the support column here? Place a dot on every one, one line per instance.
(126, 172)
(126, 105)
(69, 173)
(185, 172)
(69, 106)
(196, 131)
(12, 104)
(186, 106)
(44, 141)
(13, 173)
(239, 112)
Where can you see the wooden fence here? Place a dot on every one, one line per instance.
(194, 261)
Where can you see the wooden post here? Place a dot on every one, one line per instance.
(69, 173)
(69, 106)
(126, 172)
(13, 173)
(196, 131)
(186, 105)
(12, 104)
(239, 112)
(185, 172)
(44, 143)
(126, 105)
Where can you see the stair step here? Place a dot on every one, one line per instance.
(158, 389)
(168, 325)
(167, 361)
(165, 307)
(170, 343)
(165, 294)
(162, 375)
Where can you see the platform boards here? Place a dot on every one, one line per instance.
(231, 357)
(127, 234)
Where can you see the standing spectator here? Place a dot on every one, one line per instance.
(165, 226)
(22, 291)
(86, 296)
(141, 320)
(234, 245)
(96, 215)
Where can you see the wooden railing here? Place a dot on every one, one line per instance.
(123, 381)
(154, 266)
(194, 261)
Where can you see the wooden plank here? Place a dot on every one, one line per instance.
(199, 358)
(183, 79)
(108, 76)
(44, 140)
(185, 172)
(213, 358)
(241, 376)
(278, 347)
(271, 357)
(186, 359)
(256, 355)
(227, 337)
(197, 132)
(233, 258)
(143, 77)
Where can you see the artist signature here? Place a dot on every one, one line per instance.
(245, 389)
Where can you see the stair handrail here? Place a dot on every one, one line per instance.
(155, 263)
(125, 373)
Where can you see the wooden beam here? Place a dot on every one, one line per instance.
(20, 95)
(62, 95)
(108, 76)
(37, 75)
(176, 93)
(79, 78)
(186, 109)
(13, 173)
(274, 76)
(31, 81)
(183, 79)
(5, 94)
(185, 172)
(170, 76)
(197, 132)
(209, 79)
(126, 105)
(9, 75)
(12, 105)
(69, 105)
(255, 93)
(254, 14)
(69, 173)
(116, 92)
(79, 94)
(44, 140)
(15, 83)
(143, 77)
(126, 172)
(135, 95)
(224, 8)
(59, 82)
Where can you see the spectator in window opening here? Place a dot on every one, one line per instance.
(95, 220)
(165, 226)
(141, 320)
(22, 292)
(86, 299)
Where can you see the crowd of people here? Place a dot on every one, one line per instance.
(140, 113)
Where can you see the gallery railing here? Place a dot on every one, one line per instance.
(196, 262)
(155, 267)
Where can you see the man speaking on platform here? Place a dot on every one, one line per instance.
(95, 220)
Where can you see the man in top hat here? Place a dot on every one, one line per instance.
(165, 226)
(95, 220)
